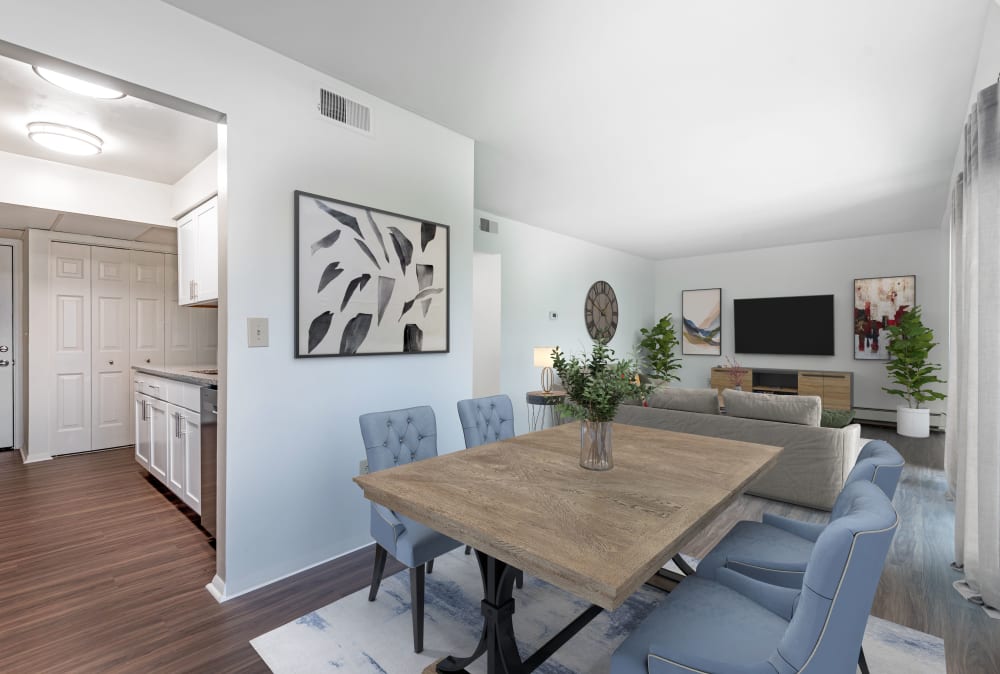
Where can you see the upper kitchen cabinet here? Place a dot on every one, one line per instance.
(198, 255)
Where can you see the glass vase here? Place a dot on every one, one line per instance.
(595, 445)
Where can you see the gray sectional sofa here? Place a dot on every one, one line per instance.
(815, 461)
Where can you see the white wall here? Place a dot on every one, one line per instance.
(814, 269)
(29, 181)
(988, 69)
(487, 316)
(543, 271)
(289, 426)
(196, 186)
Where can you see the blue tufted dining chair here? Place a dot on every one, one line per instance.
(776, 550)
(391, 439)
(738, 625)
(486, 420)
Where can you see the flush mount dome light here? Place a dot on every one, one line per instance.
(62, 138)
(75, 84)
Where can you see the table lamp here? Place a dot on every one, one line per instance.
(543, 359)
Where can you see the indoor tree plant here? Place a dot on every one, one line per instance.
(596, 384)
(909, 350)
(658, 345)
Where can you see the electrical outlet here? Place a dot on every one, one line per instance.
(363, 467)
(256, 332)
(553, 316)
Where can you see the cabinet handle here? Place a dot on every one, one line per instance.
(144, 417)
(190, 290)
(178, 420)
(195, 290)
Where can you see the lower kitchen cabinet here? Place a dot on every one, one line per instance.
(143, 436)
(185, 456)
(168, 442)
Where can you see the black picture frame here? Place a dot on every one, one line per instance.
(386, 243)
(854, 312)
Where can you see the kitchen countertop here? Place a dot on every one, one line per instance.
(185, 373)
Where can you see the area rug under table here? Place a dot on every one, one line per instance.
(358, 636)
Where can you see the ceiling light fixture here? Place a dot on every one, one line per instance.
(67, 139)
(75, 84)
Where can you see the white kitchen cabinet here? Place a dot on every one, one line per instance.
(198, 255)
(168, 434)
(185, 456)
(143, 432)
(159, 431)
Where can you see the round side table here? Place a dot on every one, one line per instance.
(538, 403)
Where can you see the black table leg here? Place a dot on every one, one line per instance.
(497, 640)
(685, 568)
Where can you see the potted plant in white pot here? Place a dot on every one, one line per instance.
(596, 385)
(909, 350)
(658, 346)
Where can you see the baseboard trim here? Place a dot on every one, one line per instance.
(29, 459)
(217, 588)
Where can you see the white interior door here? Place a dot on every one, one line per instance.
(70, 403)
(111, 407)
(6, 346)
(147, 291)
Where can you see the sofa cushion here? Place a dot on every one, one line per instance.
(836, 418)
(803, 410)
(704, 400)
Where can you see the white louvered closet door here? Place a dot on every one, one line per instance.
(70, 401)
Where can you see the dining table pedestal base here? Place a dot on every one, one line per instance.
(497, 642)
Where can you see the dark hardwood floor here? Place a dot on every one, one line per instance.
(102, 572)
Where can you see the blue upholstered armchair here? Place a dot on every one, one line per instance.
(486, 420)
(738, 625)
(391, 439)
(776, 550)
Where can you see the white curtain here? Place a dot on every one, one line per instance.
(972, 444)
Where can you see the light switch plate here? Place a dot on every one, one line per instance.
(256, 332)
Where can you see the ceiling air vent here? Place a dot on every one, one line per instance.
(490, 226)
(344, 110)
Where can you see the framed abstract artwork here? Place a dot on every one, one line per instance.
(701, 319)
(879, 303)
(368, 282)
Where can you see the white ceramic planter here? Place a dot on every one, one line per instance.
(913, 423)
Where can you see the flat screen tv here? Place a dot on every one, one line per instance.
(801, 326)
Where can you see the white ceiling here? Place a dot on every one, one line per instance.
(17, 217)
(141, 139)
(666, 128)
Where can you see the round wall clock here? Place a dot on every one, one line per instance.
(600, 311)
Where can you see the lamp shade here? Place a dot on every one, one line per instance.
(543, 356)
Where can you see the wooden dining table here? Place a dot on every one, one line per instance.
(526, 504)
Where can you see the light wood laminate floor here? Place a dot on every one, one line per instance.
(101, 572)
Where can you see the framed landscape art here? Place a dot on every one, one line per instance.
(879, 303)
(701, 319)
(368, 282)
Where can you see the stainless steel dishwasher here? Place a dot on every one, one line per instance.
(209, 459)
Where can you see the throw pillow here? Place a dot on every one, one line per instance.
(803, 410)
(702, 400)
(836, 418)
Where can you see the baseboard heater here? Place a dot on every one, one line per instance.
(878, 416)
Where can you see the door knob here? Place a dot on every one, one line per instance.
(111, 362)
(147, 360)
(4, 363)
(4, 348)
